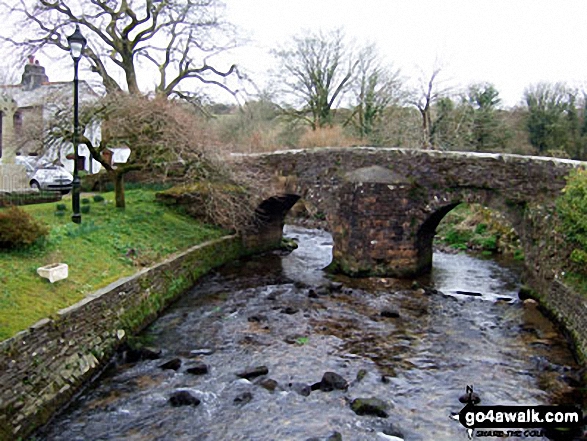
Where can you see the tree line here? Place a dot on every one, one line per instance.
(331, 90)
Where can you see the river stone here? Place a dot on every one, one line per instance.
(370, 406)
(332, 436)
(290, 310)
(183, 398)
(174, 364)
(137, 354)
(198, 369)
(253, 372)
(243, 398)
(301, 388)
(331, 381)
(335, 287)
(256, 318)
(389, 313)
(361, 374)
(389, 429)
(268, 383)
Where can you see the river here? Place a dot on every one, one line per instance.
(414, 349)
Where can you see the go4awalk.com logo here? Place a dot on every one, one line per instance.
(516, 421)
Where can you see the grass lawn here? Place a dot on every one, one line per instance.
(110, 243)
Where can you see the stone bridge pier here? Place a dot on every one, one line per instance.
(384, 226)
(383, 205)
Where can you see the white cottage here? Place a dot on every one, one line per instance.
(25, 109)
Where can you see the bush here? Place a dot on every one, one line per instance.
(572, 209)
(85, 201)
(60, 207)
(327, 137)
(18, 229)
(85, 209)
(98, 198)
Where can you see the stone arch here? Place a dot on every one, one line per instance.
(425, 236)
(267, 229)
(427, 230)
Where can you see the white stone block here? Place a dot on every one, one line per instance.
(54, 272)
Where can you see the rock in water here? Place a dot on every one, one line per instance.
(183, 398)
(253, 372)
(389, 313)
(269, 384)
(243, 398)
(174, 364)
(370, 406)
(301, 388)
(198, 369)
(331, 381)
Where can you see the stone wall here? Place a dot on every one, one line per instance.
(43, 367)
(568, 308)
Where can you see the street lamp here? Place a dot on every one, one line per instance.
(77, 43)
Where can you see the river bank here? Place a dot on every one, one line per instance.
(268, 330)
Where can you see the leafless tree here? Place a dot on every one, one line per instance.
(317, 69)
(424, 98)
(172, 41)
(376, 87)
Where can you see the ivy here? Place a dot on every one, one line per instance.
(572, 210)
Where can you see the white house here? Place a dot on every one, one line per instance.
(25, 110)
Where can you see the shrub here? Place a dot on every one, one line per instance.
(85, 209)
(98, 198)
(19, 229)
(85, 201)
(327, 137)
(60, 207)
(572, 210)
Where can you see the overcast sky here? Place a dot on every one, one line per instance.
(510, 43)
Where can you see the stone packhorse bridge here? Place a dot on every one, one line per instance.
(383, 205)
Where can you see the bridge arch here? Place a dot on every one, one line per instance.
(383, 205)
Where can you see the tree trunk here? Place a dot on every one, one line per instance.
(119, 190)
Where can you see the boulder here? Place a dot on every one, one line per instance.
(333, 381)
(198, 369)
(370, 406)
(174, 364)
(183, 398)
(253, 372)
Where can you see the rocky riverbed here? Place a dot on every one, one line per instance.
(273, 349)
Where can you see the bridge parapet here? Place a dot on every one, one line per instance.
(383, 204)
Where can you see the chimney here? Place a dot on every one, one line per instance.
(34, 74)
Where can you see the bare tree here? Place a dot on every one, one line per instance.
(376, 88)
(317, 70)
(424, 98)
(160, 132)
(170, 40)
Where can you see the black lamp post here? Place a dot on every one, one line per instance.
(77, 43)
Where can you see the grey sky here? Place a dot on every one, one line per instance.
(510, 43)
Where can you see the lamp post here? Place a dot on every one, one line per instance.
(77, 43)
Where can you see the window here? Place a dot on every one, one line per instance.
(17, 119)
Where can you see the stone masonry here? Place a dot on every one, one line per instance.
(43, 367)
(383, 205)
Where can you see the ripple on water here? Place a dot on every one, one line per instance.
(418, 359)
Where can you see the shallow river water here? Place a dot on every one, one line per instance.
(415, 349)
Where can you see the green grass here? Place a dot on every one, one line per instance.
(109, 244)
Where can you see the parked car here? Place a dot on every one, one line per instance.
(47, 176)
